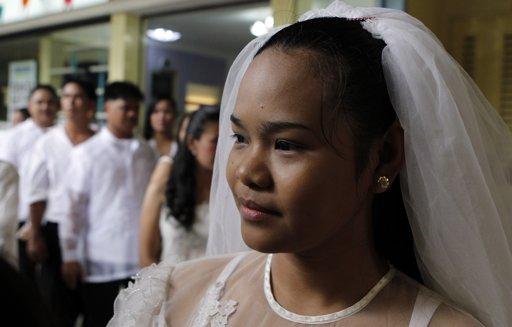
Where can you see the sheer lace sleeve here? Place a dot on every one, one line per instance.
(140, 304)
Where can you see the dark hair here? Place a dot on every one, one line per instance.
(24, 112)
(181, 187)
(123, 90)
(179, 123)
(87, 87)
(45, 87)
(348, 60)
(148, 131)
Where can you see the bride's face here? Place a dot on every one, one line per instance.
(293, 190)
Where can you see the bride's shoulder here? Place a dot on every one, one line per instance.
(429, 306)
(197, 275)
(442, 313)
(140, 303)
(200, 268)
(447, 315)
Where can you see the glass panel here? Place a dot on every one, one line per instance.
(15, 52)
(80, 52)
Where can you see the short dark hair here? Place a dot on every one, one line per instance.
(24, 112)
(44, 87)
(86, 86)
(148, 129)
(123, 90)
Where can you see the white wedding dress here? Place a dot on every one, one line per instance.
(179, 244)
(229, 291)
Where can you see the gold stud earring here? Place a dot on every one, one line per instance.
(383, 182)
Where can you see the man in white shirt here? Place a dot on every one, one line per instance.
(106, 180)
(17, 147)
(48, 164)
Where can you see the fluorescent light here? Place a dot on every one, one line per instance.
(260, 28)
(163, 35)
(269, 22)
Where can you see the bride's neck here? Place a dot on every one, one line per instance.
(330, 277)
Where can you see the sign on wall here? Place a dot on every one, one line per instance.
(22, 78)
(16, 10)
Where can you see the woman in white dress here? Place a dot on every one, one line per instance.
(158, 127)
(318, 119)
(174, 226)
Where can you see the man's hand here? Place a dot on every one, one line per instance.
(36, 247)
(72, 273)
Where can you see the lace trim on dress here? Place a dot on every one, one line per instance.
(140, 303)
(213, 311)
(323, 319)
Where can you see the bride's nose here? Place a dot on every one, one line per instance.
(253, 170)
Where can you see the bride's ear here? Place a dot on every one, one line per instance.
(391, 158)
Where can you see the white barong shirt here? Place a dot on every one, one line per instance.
(16, 149)
(104, 188)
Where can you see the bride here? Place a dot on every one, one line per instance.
(318, 121)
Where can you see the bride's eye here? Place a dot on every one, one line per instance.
(286, 146)
(238, 138)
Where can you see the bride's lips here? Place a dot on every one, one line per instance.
(253, 211)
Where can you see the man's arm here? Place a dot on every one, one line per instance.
(154, 198)
(9, 209)
(36, 246)
(72, 224)
(37, 196)
(8, 149)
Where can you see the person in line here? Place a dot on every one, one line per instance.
(176, 228)
(19, 116)
(17, 146)
(319, 120)
(154, 200)
(104, 187)
(158, 127)
(9, 208)
(48, 164)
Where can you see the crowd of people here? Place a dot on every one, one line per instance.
(354, 176)
(73, 196)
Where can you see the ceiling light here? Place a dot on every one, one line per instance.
(260, 28)
(163, 35)
(269, 22)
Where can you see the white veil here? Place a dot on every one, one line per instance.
(457, 180)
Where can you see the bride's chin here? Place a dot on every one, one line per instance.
(261, 240)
